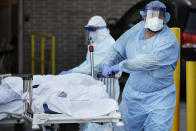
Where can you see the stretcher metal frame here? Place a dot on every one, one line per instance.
(41, 120)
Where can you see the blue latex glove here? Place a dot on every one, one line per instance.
(115, 69)
(64, 72)
(106, 70)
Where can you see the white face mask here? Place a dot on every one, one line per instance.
(154, 24)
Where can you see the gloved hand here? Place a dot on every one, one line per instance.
(115, 69)
(106, 70)
(64, 72)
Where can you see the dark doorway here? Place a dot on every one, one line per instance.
(8, 36)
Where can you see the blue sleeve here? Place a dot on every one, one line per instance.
(165, 53)
(83, 68)
(121, 43)
(113, 57)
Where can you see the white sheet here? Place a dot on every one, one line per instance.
(83, 96)
(11, 88)
(14, 106)
(74, 94)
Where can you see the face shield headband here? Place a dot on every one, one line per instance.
(155, 8)
(94, 28)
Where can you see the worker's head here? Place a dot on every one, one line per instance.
(155, 16)
(97, 29)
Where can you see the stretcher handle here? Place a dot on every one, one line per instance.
(26, 76)
(91, 48)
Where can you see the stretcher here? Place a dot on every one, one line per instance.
(42, 120)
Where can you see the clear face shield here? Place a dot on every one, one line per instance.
(91, 32)
(155, 19)
(87, 37)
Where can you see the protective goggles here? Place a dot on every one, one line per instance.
(94, 28)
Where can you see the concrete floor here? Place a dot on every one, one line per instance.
(11, 127)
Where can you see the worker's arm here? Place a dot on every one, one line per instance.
(83, 68)
(164, 54)
(113, 57)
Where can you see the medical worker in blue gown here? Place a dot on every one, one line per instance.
(149, 52)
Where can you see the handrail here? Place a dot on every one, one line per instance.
(42, 59)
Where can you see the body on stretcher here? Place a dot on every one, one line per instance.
(45, 119)
(42, 119)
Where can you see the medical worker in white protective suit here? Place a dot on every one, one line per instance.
(149, 52)
(102, 42)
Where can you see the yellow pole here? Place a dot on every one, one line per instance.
(32, 54)
(176, 123)
(53, 55)
(42, 55)
(191, 95)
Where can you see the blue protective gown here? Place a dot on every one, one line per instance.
(149, 95)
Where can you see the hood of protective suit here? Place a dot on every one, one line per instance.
(98, 34)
